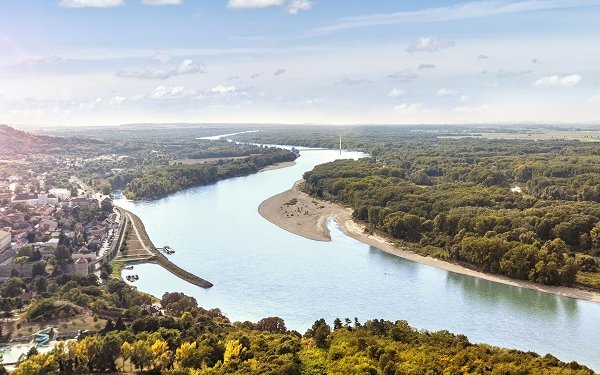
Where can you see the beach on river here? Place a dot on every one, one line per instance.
(306, 216)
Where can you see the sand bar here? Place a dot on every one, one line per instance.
(301, 214)
(283, 164)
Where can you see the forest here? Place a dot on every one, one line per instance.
(524, 209)
(160, 181)
(187, 339)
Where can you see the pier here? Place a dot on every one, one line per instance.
(146, 252)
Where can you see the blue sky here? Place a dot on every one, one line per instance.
(102, 62)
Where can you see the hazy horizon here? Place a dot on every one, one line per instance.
(101, 62)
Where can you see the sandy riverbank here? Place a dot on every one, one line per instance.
(283, 164)
(306, 216)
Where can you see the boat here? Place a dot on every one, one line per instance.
(128, 267)
(42, 337)
(169, 250)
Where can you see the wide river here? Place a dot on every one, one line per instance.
(260, 270)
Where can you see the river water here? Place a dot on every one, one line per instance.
(259, 270)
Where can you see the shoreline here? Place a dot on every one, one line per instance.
(154, 256)
(283, 164)
(307, 217)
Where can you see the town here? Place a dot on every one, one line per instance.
(70, 229)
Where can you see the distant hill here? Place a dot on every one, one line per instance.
(16, 143)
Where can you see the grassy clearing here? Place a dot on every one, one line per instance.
(117, 267)
(21, 327)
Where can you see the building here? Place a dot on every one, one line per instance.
(84, 252)
(27, 198)
(44, 199)
(80, 267)
(47, 252)
(5, 239)
(61, 194)
(35, 199)
(85, 203)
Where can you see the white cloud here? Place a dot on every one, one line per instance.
(461, 11)
(166, 92)
(558, 81)
(511, 74)
(404, 76)
(429, 44)
(346, 81)
(42, 60)
(395, 93)
(446, 92)
(295, 6)
(407, 108)
(468, 110)
(117, 100)
(426, 66)
(91, 3)
(162, 57)
(292, 6)
(223, 90)
(593, 99)
(190, 67)
(186, 67)
(464, 98)
(146, 74)
(483, 57)
(162, 2)
(253, 4)
(89, 105)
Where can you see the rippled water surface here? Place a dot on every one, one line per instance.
(260, 270)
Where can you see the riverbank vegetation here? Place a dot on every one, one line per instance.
(160, 181)
(186, 339)
(143, 164)
(525, 209)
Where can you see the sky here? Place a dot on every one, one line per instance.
(107, 62)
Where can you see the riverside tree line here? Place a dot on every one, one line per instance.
(525, 209)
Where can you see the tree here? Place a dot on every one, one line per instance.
(109, 326)
(35, 256)
(595, 239)
(518, 261)
(337, 324)
(233, 351)
(62, 254)
(40, 284)
(177, 303)
(161, 355)
(483, 252)
(141, 356)
(12, 287)
(271, 324)
(188, 355)
(320, 332)
(568, 272)
(119, 325)
(522, 173)
(126, 352)
(38, 269)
